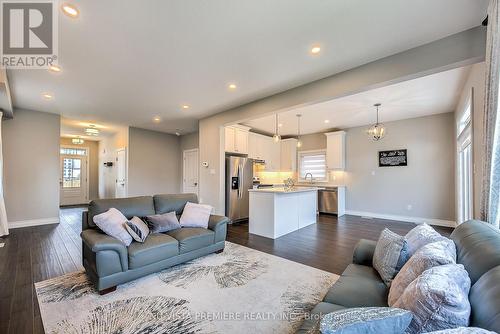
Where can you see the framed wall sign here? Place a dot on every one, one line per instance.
(393, 158)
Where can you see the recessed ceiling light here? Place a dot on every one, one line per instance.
(232, 86)
(70, 10)
(315, 50)
(47, 96)
(185, 106)
(55, 68)
(280, 125)
(327, 121)
(157, 119)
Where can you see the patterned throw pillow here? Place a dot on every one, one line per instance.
(163, 222)
(112, 222)
(137, 229)
(390, 255)
(463, 330)
(431, 255)
(420, 236)
(438, 299)
(367, 320)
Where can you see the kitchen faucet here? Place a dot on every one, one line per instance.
(305, 177)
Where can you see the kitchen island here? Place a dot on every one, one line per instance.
(274, 212)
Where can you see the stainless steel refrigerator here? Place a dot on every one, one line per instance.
(239, 178)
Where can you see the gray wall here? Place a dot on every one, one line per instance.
(93, 156)
(31, 165)
(427, 183)
(461, 49)
(153, 163)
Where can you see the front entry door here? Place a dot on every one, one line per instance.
(73, 180)
(190, 172)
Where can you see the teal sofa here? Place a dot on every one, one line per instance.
(108, 262)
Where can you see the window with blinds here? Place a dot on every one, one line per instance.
(313, 162)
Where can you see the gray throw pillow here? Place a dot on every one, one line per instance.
(163, 222)
(431, 255)
(113, 222)
(137, 229)
(367, 320)
(463, 330)
(390, 255)
(195, 215)
(438, 299)
(420, 236)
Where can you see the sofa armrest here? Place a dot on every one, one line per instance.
(97, 241)
(218, 224)
(363, 252)
(216, 221)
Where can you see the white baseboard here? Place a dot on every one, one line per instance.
(34, 222)
(416, 220)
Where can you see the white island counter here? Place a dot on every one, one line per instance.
(275, 211)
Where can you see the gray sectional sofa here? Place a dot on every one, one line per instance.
(108, 262)
(478, 249)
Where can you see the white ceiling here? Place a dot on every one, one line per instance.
(433, 94)
(126, 61)
(72, 128)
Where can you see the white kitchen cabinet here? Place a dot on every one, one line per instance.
(335, 150)
(288, 161)
(236, 139)
(254, 151)
(273, 162)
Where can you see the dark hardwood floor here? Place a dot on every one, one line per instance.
(34, 254)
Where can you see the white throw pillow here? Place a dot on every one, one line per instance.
(112, 222)
(195, 215)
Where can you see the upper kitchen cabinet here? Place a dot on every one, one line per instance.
(236, 139)
(264, 148)
(289, 155)
(335, 150)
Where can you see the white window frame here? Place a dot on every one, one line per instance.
(299, 162)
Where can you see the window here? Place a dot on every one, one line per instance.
(73, 151)
(465, 164)
(72, 168)
(314, 163)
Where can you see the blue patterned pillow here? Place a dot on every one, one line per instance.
(391, 253)
(367, 320)
(137, 229)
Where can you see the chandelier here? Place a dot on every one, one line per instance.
(77, 141)
(377, 131)
(92, 131)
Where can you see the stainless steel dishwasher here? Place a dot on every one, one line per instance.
(328, 201)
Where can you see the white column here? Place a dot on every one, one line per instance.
(4, 225)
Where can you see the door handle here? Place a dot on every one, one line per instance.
(195, 184)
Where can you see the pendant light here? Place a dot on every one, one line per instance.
(276, 136)
(77, 141)
(377, 131)
(299, 142)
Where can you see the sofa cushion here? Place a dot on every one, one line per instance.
(358, 291)
(192, 238)
(163, 222)
(312, 321)
(195, 215)
(172, 202)
(156, 247)
(130, 207)
(113, 222)
(137, 228)
(361, 271)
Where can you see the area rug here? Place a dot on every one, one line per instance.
(238, 291)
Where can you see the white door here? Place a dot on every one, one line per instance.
(73, 177)
(190, 171)
(121, 173)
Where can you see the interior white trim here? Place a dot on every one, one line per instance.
(34, 222)
(416, 220)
